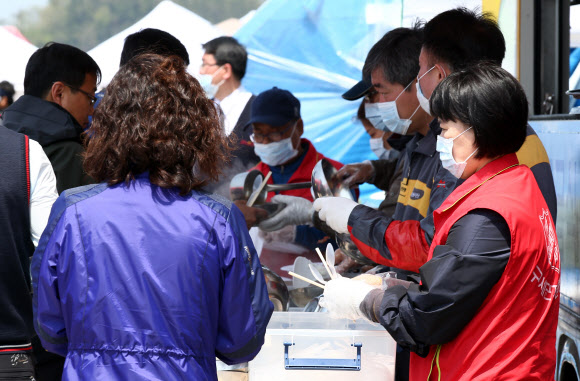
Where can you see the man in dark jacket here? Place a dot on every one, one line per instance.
(59, 92)
(222, 69)
(453, 40)
(59, 86)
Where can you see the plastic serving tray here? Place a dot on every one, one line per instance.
(312, 346)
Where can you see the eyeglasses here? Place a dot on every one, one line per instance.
(204, 64)
(275, 136)
(92, 99)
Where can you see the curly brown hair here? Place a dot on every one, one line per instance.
(155, 117)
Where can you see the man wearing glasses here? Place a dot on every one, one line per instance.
(277, 138)
(221, 72)
(59, 92)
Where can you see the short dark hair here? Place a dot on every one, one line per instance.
(153, 41)
(397, 53)
(489, 99)
(460, 37)
(57, 62)
(7, 90)
(228, 50)
(155, 117)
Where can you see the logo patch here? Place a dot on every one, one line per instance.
(417, 194)
(551, 240)
(441, 184)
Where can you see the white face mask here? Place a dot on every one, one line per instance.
(385, 115)
(423, 101)
(373, 114)
(390, 115)
(378, 148)
(276, 153)
(445, 149)
(205, 80)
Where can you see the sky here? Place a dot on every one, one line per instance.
(10, 8)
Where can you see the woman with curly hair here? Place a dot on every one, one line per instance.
(145, 276)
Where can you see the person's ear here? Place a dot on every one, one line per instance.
(443, 71)
(228, 71)
(56, 93)
(3, 102)
(300, 126)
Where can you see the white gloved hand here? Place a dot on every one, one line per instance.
(358, 173)
(343, 296)
(298, 211)
(335, 211)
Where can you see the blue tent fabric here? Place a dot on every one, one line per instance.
(316, 49)
(574, 61)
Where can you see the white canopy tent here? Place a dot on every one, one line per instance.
(191, 29)
(16, 53)
(575, 26)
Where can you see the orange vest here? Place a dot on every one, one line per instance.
(513, 335)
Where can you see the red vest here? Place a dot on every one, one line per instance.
(513, 335)
(302, 174)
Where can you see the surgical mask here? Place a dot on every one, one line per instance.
(423, 101)
(373, 114)
(390, 115)
(205, 80)
(378, 148)
(445, 149)
(385, 115)
(276, 153)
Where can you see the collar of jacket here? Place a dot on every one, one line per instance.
(426, 145)
(489, 171)
(43, 121)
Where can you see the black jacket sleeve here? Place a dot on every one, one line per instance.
(384, 173)
(454, 284)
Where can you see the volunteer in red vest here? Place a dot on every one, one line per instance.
(278, 128)
(487, 304)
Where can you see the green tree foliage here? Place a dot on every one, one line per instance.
(86, 23)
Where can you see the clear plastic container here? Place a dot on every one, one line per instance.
(312, 346)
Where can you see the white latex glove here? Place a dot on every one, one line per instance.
(358, 173)
(343, 296)
(298, 211)
(335, 211)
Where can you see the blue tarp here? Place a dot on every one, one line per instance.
(316, 49)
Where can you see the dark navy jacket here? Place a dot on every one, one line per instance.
(15, 245)
(402, 241)
(137, 282)
(58, 133)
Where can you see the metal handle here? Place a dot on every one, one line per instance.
(283, 187)
(322, 364)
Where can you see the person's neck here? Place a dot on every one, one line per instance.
(228, 87)
(423, 122)
(476, 164)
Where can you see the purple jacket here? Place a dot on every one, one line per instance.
(138, 283)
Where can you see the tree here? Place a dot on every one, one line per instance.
(86, 23)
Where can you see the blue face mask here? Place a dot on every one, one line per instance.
(276, 153)
(445, 149)
(205, 80)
